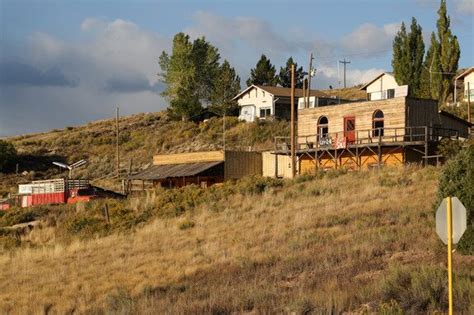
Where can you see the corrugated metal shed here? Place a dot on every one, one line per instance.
(155, 172)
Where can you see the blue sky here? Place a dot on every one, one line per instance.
(67, 62)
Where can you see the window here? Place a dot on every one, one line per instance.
(377, 123)
(323, 127)
(390, 93)
(265, 112)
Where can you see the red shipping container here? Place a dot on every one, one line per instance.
(48, 198)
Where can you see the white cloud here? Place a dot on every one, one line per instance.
(115, 64)
(369, 39)
(464, 7)
(92, 23)
(327, 75)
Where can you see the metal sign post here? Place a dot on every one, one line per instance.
(451, 222)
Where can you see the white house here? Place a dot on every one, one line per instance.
(384, 86)
(263, 102)
(468, 78)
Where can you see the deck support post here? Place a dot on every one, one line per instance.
(426, 145)
(276, 159)
(379, 147)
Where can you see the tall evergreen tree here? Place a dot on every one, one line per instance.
(263, 73)
(408, 52)
(284, 78)
(448, 52)
(227, 86)
(431, 74)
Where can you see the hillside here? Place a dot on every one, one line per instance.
(337, 242)
(141, 136)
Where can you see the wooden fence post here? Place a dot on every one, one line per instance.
(106, 213)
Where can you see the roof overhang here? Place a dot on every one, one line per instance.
(364, 87)
(465, 73)
(442, 112)
(157, 172)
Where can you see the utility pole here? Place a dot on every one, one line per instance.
(117, 141)
(308, 91)
(344, 62)
(469, 105)
(292, 127)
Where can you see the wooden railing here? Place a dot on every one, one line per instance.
(376, 136)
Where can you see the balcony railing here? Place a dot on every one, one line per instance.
(367, 137)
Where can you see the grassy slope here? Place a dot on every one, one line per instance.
(142, 136)
(326, 244)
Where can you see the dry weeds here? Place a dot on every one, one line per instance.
(322, 245)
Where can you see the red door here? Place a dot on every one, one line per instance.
(349, 129)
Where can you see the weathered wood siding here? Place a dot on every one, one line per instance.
(240, 163)
(192, 157)
(421, 112)
(455, 124)
(393, 109)
(284, 165)
(368, 159)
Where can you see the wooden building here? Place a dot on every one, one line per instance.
(371, 133)
(199, 168)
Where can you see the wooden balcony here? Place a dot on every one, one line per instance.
(378, 137)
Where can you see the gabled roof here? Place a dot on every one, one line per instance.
(279, 91)
(465, 73)
(364, 87)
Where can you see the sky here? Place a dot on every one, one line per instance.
(64, 63)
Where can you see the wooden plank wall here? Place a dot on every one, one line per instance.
(452, 123)
(393, 109)
(193, 157)
(367, 160)
(268, 167)
(422, 112)
(240, 163)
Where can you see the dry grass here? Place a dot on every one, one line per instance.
(317, 245)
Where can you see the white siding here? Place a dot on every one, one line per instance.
(378, 88)
(469, 78)
(258, 98)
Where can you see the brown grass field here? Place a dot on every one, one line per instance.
(356, 243)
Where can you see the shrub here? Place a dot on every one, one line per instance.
(421, 290)
(449, 148)
(457, 179)
(7, 154)
(20, 215)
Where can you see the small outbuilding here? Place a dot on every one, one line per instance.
(200, 168)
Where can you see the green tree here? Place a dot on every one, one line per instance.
(7, 154)
(408, 53)
(448, 52)
(284, 78)
(189, 74)
(457, 179)
(227, 86)
(431, 73)
(263, 73)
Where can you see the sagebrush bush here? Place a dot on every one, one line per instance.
(417, 290)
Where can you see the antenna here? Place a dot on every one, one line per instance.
(70, 167)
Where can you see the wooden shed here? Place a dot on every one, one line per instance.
(199, 168)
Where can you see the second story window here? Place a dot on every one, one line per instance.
(377, 123)
(323, 126)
